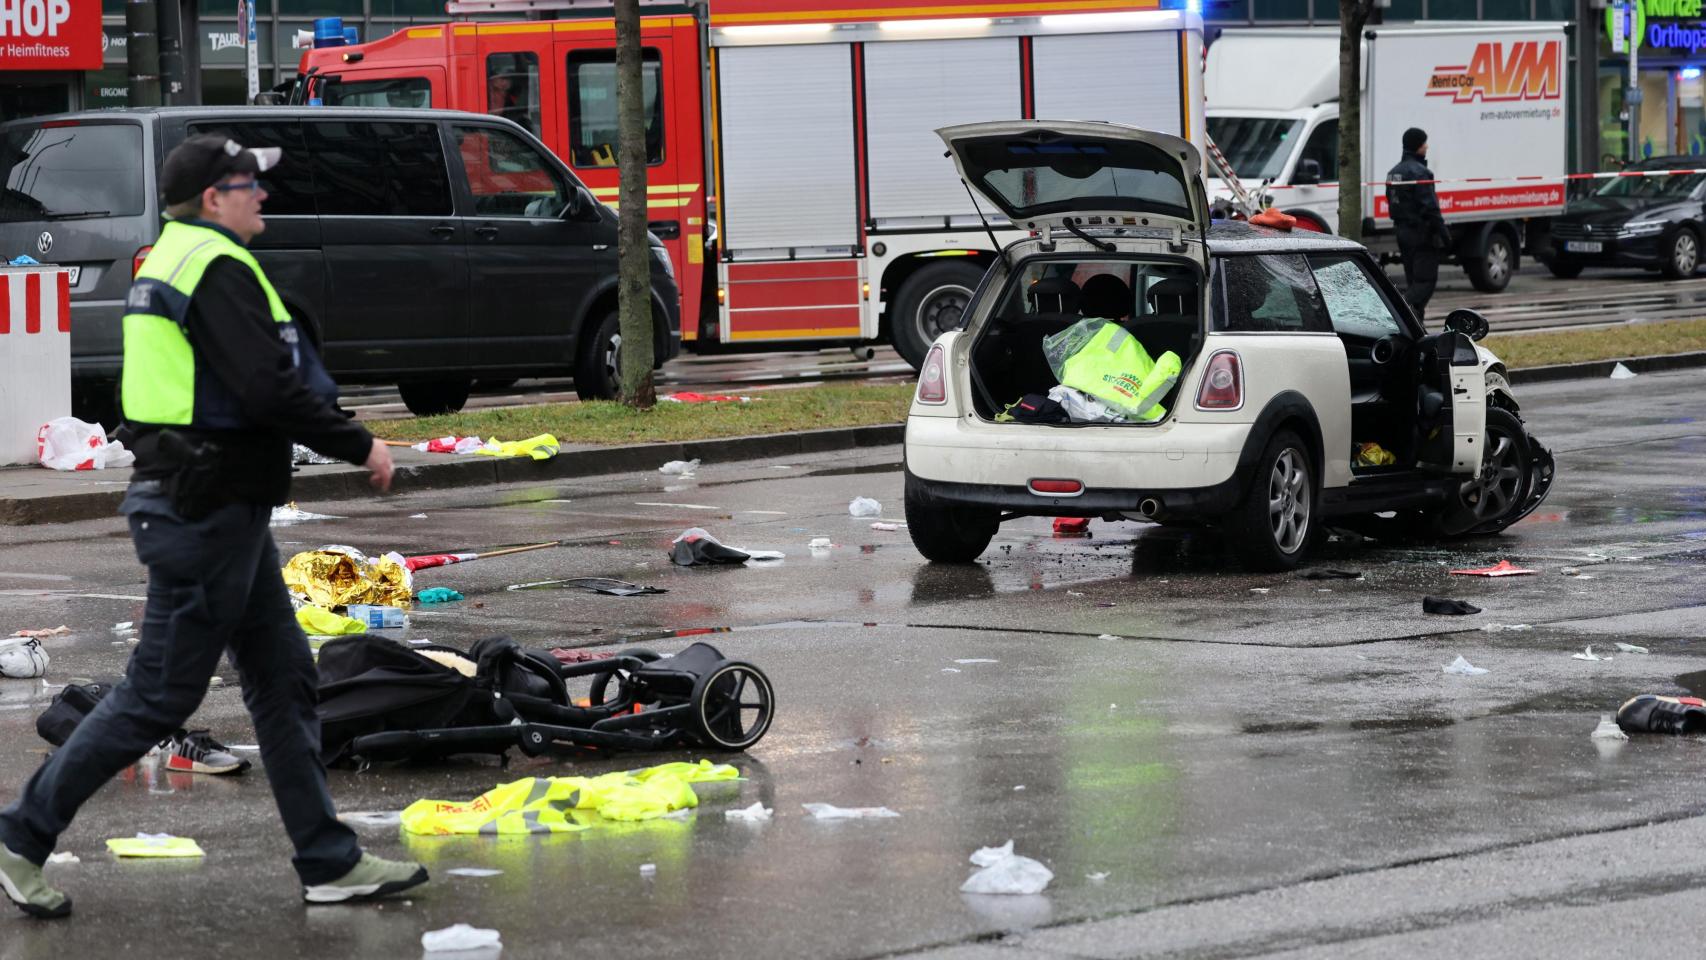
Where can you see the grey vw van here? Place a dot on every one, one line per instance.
(424, 248)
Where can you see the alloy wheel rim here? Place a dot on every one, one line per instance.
(1288, 501)
(1498, 260)
(1494, 490)
(942, 309)
(613, 358)
(1687, 253)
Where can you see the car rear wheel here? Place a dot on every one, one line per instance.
(1272, 527)
(947, 534)
(932, 302)
(426, 398)
(598, 374)
(1682, 255)
(1491, 271)
(1564, 269)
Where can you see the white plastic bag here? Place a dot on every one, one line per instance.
(1083, 408)
(22, 658)
(680, 468)
(864, 507)
(1005, 872)
(68, 443)
(460, 937)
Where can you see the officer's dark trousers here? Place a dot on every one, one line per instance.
(1421, 270)
(213, 586)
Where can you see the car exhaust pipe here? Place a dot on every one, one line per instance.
(1149, 508)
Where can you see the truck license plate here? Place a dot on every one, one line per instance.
(1583, 246)
(76, 273)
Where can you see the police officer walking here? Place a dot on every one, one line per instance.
(217, 383)
(1422, 235)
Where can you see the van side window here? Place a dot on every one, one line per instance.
(1270, 293)
(85, 169)
(379, 168)
(592, 106)
(508, 176)
(512, 88)
(1353, 301)
(290, 185)
(1323, 148)
(400, 92)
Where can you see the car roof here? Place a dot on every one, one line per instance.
(1676, 162)
(264, 113)
(1237, 236)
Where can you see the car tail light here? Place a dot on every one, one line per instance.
(1057, 488)
(136, 261)
(1222, 383)
(933, 378)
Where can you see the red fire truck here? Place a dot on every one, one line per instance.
(790, 143)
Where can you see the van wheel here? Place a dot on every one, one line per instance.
(1491, 271)
(1683, 257)
(1272, 527)
(932, 302)
(946, 534)
(598, 372)
(1564, 269)
(427, 398)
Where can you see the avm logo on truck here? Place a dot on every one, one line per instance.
(1527, 70)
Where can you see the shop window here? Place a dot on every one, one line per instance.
(223, 43)
(1452, 10)
(512, 88)
(1404, 10)
(1504, 9)
(109, 87)
(1554, 9)
(1280, 10)
(224, 88)
(379, 169)
(112, 8)
(319, 8)
(290, 185)
(426, 9)
(592, 106)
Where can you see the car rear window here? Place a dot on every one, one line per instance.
(60, 172)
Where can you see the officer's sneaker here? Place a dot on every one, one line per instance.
(371, 879)
(25, 887)
(1651, 713)
(197, 752)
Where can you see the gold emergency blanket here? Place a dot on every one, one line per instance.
(337, 577)
(564, 804)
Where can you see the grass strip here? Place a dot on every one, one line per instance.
(1599, 343)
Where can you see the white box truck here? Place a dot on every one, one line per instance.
(1493, 98)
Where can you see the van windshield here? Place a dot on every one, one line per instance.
(1257, 147)
(85, 170)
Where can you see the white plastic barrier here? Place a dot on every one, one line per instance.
(35, 355)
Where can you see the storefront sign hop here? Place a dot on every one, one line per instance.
(50, 35)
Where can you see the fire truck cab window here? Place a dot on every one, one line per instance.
(512, 88)
(592, 106)
(507, 176)
(405, 92)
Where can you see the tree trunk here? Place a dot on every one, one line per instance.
(634, 284)
(1353, 16)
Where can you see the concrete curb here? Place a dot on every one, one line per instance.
(446, 471)
(1602, 368)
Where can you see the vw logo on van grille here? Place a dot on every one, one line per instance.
(44, 243)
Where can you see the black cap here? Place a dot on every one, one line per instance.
(1413, 139)
(200, 162)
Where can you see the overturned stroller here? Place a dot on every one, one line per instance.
(383, 701)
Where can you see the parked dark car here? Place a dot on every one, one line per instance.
(1653, 222)
(424, 248)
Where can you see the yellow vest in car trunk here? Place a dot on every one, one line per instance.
(1114, 368)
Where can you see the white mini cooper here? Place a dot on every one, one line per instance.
(1309, 393)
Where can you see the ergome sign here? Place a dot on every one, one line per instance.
(50, 35)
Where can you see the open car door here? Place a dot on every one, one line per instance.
(1451, 365)
(1057, 175)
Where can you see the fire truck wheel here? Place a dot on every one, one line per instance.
(932, 302)
(598, 373)
(426, 398)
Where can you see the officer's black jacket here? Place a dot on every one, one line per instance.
(1414, 208)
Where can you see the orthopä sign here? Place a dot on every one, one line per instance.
(50, 35)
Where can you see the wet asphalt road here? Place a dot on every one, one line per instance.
(1282, 772)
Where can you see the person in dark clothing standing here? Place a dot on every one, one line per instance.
(217, 383)
(1422, 235)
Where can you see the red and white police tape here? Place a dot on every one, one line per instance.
(1552, 178)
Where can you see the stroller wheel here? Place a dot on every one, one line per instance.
(732, 706)
(532, 741)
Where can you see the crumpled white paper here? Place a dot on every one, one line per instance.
(864, 507)
(1631, 648)
(680, 468)
(1588, 654)
(829, 811)
(757, 813)
(461, 936)
(1005, 872)
(1464, 667)
(1608, 729)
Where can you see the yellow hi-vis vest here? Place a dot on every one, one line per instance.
(160, 383)
(1114, 368)
(564, 804)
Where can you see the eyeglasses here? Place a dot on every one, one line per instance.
(252, 185)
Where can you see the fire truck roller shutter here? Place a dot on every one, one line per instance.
(911, 89)
(787, 140)
(1128, 77)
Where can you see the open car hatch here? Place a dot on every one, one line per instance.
(1042, 172)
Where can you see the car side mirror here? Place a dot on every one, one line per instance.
(1467, 322)
(1308, 171)
(579, 206)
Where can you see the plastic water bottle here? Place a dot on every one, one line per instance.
(378, 617)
